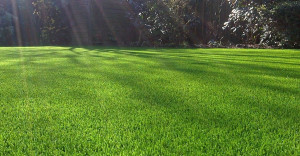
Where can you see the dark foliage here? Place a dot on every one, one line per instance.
(54, 28)
(273, 23)
(6, 24)
(168, 22)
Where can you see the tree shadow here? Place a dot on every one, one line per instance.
(194, 70)
(231, 70)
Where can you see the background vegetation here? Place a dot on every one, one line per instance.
(216, 23)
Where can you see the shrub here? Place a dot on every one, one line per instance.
(287, 23)
(270, 24)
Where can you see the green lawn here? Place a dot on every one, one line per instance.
(64, 100)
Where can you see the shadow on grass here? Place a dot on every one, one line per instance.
(238, 68)
(212, 68)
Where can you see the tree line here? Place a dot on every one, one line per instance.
(274, 23)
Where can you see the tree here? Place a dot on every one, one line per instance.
(52, 20)
(181, 21)
(6, 24)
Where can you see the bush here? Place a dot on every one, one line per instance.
(287, 22)
(274, 24)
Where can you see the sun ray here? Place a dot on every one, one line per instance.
(17, 23)
(76, 36)
(99, 6)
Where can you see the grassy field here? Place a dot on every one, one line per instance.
(68, 100)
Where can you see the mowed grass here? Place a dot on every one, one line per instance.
(122, 101)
